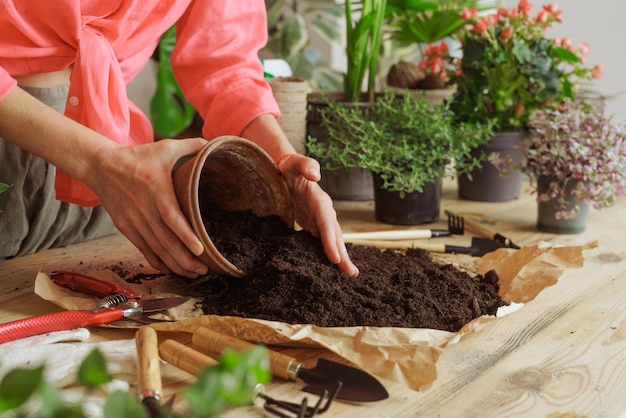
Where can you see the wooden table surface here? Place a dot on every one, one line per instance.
(562, 354)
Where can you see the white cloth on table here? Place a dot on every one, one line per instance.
(61, 354)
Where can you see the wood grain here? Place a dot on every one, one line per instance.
(562, 354)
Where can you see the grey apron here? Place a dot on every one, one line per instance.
(32, 219)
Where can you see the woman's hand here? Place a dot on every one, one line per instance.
(314, 208)
(135, 186)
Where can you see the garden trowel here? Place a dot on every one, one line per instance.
(357, 385)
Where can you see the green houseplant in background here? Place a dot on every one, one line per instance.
(170, 112)
(364, 21)
(508, 69)
(407, 145)
(422, 24)
(575, 158)
(364, 30)
(290, 26)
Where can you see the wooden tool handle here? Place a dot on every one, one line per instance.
(148, 367)
(184, 357)
(213, 342)
(402, 234)
(432, 247)
(479, 229)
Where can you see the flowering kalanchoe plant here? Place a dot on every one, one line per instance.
(576, 142)
(509, 67)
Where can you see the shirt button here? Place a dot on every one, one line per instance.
(74, 101)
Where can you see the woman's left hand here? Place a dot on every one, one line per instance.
(314, 208)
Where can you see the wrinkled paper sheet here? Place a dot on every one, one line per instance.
(404, 355)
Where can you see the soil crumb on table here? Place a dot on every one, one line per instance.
(289, 279)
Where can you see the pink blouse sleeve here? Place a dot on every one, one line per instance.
(217, 65)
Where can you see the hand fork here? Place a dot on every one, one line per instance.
(455, 226)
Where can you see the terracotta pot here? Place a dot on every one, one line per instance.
(486, 184)
(239, 176)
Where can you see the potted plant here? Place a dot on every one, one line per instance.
(509, 68)
(575, 157)
(407, 145)
(364, 21)
(423, 24)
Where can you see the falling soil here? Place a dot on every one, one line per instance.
(289, 279)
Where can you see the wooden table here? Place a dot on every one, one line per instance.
(562, 353)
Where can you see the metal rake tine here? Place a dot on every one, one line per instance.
(456, 224)
(302, 410)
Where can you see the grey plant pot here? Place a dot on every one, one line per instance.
(487, 185)
(414, 209)
(546, 214)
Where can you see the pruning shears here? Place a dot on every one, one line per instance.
(116, 303)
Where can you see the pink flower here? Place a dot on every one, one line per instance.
(597, 71)
(584, 49)
(524, 7)
(468, 13)
(542, 16)
(481, 27)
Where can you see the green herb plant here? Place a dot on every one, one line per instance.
(230, 383)
(404, 139)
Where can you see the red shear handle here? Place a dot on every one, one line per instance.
(90, 285)
(59, 321)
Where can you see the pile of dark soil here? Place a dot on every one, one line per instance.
(289, 279)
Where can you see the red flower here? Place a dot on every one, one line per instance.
(506, 33)
(524, 7)
(468, 13)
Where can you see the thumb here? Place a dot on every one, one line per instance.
(189, 146)
(305, 166)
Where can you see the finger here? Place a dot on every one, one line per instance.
(159, 244)
(178, 236)
(301, 165)
(152, 259)
(167, 204)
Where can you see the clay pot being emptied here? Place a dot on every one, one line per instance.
(238, 175)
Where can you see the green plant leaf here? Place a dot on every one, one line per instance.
(93, 370)
(295, 36)
(17, 387)
(170, 112)
(124, 405)
(4, 187)
(230, 383)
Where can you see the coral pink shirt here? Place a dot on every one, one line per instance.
(109, 41)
